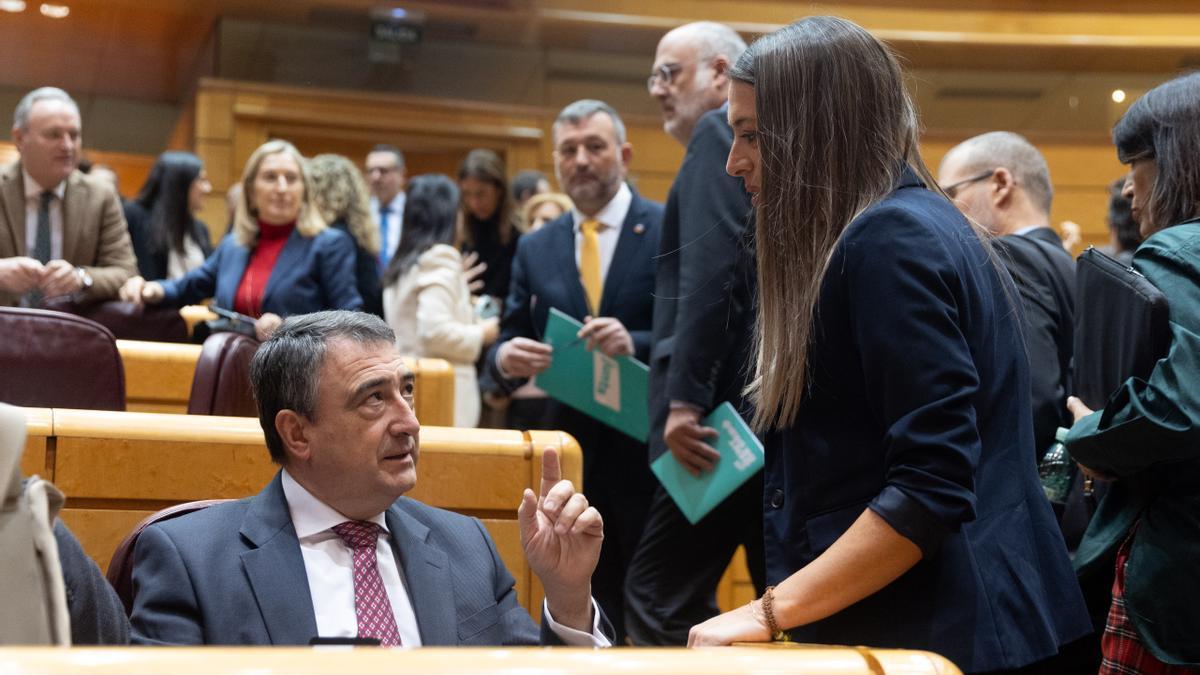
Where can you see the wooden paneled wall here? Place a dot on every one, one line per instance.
(131, 169)
(233, 118)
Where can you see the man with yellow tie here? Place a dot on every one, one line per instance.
(596, 264)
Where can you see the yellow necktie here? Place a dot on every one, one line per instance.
(589, 264)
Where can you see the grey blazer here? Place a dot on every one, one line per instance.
(233, 574)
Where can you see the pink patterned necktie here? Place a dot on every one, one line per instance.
(371, 605)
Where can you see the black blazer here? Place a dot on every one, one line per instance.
(1045, 276)
(366, 273)
(704, 286)
(152, 265)
(918, 409)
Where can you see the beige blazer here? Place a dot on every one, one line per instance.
(95, 235)
(430, 310)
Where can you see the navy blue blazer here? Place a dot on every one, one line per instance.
(311, 274)
(918, 409)
(233, 574)
(545, 275)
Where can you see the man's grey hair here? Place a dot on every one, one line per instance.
(1007, 150)
(21, 114)
(285, 372)
(575, 113)
(385, 147)
(714, 39)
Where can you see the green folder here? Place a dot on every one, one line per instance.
(741, 457)
(611, 390)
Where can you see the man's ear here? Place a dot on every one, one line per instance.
(720, 66)
(626, 153)
(293, 429)
(1002, 185)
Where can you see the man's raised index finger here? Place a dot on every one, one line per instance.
(551, 471)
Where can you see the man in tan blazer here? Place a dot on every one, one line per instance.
(61, 232)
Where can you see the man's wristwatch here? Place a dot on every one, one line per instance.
(85, 279)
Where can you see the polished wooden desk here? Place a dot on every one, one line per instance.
(116, 468)
(447, 661)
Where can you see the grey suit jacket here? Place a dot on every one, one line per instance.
(94, 232)
(233, 574)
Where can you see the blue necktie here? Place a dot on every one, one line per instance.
(384, 253)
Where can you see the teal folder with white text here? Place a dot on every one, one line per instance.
(741, 457)
(612, 390)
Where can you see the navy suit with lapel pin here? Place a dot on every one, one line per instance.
(616, 478)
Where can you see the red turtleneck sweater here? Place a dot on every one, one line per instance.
(271, 239)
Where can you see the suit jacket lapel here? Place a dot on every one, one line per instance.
(290, 258)
(231, 275)
(633, 235)
(12, 191)
(564, 245)
(427, 578)
(275, 569)
(74, 202)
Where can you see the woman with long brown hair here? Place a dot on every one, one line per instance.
(902, 507)
(487, 228)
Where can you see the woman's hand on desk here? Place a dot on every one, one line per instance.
(139, 291)
(266, 326)
(744, 624)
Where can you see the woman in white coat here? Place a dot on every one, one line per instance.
(426, 300)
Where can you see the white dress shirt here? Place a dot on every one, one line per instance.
(329, 566)
(395, 220)
(33, 198)
(611, 217)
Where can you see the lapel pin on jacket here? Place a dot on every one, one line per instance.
(639, 228)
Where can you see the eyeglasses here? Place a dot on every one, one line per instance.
(952, 189)
(663, 75)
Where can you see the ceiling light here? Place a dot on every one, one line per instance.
(55, 11)
(12, 6)
(1118, 95)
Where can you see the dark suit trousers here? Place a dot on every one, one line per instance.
(671, 584)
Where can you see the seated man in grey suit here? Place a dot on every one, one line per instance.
(331, 549)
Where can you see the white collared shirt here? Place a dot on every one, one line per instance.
(33, 198)
(612, 217)
(329, 566)
(1027, 229)
(395, 219)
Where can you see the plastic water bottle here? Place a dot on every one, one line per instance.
(1055, 469)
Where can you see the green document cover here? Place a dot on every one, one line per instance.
(741, 456)
(611, 390)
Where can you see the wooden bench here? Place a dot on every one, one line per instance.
(158, 378)
(763, 660)
(118, 467)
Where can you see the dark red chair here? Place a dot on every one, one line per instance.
(56, 360)
(221, 385)
(128, 321)
(120, 568)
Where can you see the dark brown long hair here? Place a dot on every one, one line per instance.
(486, 166)
(836, 128)
(1164, 126)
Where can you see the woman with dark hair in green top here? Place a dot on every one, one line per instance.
(1147, 436)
